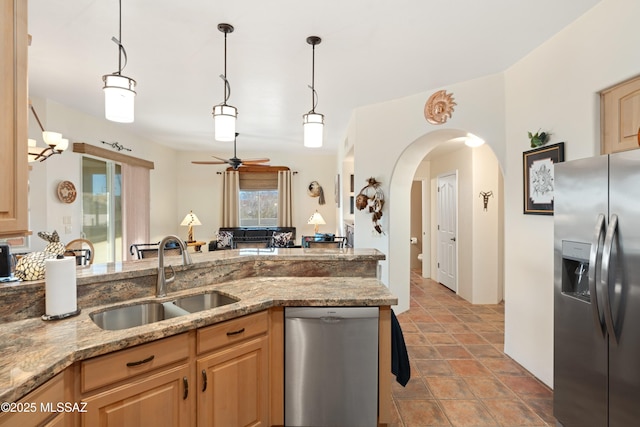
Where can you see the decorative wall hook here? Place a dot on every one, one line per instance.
(485, 196)
(116, 146)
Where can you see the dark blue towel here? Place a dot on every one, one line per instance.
(399, 356)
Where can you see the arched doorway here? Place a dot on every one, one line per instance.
(480, 240)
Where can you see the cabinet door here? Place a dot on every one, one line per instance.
(161, 399)
(233, 386)
(620, 107)
(13, 118)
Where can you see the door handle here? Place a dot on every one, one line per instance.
(453, 239)
(596, 244)
(612, 232)
(185, 383)
(204, 380)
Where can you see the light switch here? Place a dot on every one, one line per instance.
(66, 220)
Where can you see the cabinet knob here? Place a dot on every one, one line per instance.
(204, 380)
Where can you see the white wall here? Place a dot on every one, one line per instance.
(48, 213)
(555, 88)
(176, 185)
(201, 189)
(391, 139)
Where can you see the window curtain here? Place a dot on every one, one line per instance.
(230, 194)
(136, 207)
(284, 199)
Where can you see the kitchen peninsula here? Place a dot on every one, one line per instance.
(34, 351)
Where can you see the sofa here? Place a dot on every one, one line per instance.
(252, 237)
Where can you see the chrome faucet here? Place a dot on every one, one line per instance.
(161, 284)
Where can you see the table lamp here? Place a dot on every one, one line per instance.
(316, 219)
(191, 219)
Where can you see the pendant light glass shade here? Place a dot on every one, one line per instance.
(313, 125)
(312, 122)
(224, 121)
(119, 98)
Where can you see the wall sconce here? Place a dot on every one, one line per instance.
(316, 219)
(224, 115)
(119, 90)
(190, 220)
(56, 143)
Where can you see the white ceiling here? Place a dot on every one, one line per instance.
(371, 51)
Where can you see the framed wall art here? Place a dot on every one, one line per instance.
(538, 178)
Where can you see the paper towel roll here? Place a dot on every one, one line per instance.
(60, 286)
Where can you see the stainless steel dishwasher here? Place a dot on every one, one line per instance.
(331, 366)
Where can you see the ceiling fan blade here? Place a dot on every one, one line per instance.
(221, 159)
(254, 161)
(195, 162)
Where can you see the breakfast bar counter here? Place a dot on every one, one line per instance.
(33, 350)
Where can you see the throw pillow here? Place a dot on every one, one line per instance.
(224, 239)
(281, 240)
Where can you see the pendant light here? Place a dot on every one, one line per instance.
(119, 91)
(224, 116)
(313, 122)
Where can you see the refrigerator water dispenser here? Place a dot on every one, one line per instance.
(575, 269)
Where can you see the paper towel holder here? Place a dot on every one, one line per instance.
(61, 316)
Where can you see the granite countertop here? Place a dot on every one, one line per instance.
(33, 351)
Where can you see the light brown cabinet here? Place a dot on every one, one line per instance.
(233, 373)
(147, 385)
(39, 408)
(620, 117)
(13, 118)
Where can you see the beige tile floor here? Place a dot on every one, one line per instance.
(460, 374)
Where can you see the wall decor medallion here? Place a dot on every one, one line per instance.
(67, 192)
(439, 107)
(539, 182)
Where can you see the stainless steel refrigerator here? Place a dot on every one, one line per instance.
(597, 291)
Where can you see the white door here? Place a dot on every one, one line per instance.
(447, 230)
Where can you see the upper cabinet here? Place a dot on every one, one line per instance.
(13, 118)
(620, 113)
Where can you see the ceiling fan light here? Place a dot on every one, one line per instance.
(224, 121)
(119, 98)
(313, 125)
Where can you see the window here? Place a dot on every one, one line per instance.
(258, 199)
(258, 208)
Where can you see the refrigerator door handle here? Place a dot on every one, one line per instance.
(596, 244)
(612, 232)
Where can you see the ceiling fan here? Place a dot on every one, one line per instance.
(234, 161)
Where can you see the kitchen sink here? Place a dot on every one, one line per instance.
(205, 301)
(129, 316)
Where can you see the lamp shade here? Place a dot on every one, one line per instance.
(224, 122)
(313, 125)
(191, 219)
(119, 98)
(316, 219)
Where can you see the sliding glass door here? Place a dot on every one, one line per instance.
(102, 208)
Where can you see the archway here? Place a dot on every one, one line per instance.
(399, 220)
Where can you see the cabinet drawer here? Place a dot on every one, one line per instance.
(216, 336)
(123, 364)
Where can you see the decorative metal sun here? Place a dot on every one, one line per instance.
(439, 107)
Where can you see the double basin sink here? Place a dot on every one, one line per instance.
(129, 316)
